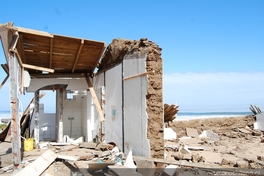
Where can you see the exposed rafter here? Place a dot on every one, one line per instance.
(78, 55)
(38, 68)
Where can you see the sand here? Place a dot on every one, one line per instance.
(238, 146)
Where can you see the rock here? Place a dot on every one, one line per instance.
(195, 158)
(256, 133)
(225, 161)
(260, 157)
(177, 156)
(242, 164)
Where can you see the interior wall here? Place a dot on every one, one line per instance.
(47, 125)
(135, 116)
(84, 117)
(72, 110)
(113, 106)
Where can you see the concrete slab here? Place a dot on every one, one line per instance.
(191, 132)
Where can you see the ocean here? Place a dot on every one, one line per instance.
(199, 115)
(4, 115)
(180, 115)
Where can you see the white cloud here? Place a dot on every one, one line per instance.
(232, 91)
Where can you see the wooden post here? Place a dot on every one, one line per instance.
(95, 99)
(97, 105)
(15, 120)
(36, 118)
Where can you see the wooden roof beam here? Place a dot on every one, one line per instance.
(5, 67)
(34, 32)
(38, 68)
(51, 50)
(78, 55)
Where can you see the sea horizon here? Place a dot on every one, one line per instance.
(181, 114)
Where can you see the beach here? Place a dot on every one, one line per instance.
(237, 144)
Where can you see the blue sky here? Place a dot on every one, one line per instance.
(213, 51)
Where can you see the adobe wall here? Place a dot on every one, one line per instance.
(114, 55)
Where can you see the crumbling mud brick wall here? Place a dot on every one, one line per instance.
(114, 55)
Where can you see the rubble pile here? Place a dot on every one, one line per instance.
(220, 142)
(114, 54)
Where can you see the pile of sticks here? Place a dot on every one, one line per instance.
(256, 110)
(170, 112)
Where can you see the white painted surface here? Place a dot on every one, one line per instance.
(113, 106)
(259, 124)
(136, 119)
(73, 84)
(72, 110)
(169, 134)
(47, 125)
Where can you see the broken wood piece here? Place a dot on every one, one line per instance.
(88, 145)
(39, 165)
(38, 68)
(69, 158)
(67, 148)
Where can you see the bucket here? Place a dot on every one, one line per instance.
(28, 144)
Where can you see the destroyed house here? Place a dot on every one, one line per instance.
(111, 94)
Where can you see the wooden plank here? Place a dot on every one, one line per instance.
(39, 165)
(138, 75)
(78, 55)
(95, 99)
(51, 48)
(38, 68)
(5, 67)
(3, 82)
(34, 32)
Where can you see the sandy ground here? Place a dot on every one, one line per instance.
(238, 146)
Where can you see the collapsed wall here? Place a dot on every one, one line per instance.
(114, 55)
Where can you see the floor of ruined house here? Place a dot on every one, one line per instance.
(233, 144)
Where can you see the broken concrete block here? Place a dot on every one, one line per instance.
(195, 158)
(170, 170)
(209, 134)
(184, 149)
(260, 157)
(187, 157)
(191, 132)
(244, 130)
(211, 157)
(190, 140)
(169, 134)
(242, 164)
(177, 156)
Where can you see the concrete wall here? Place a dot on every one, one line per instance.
(135, 116)
(47, 125)
(72, 109)
(113, 106)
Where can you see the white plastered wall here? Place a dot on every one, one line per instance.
(113, 106)
(47, 125)
(135, 115)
